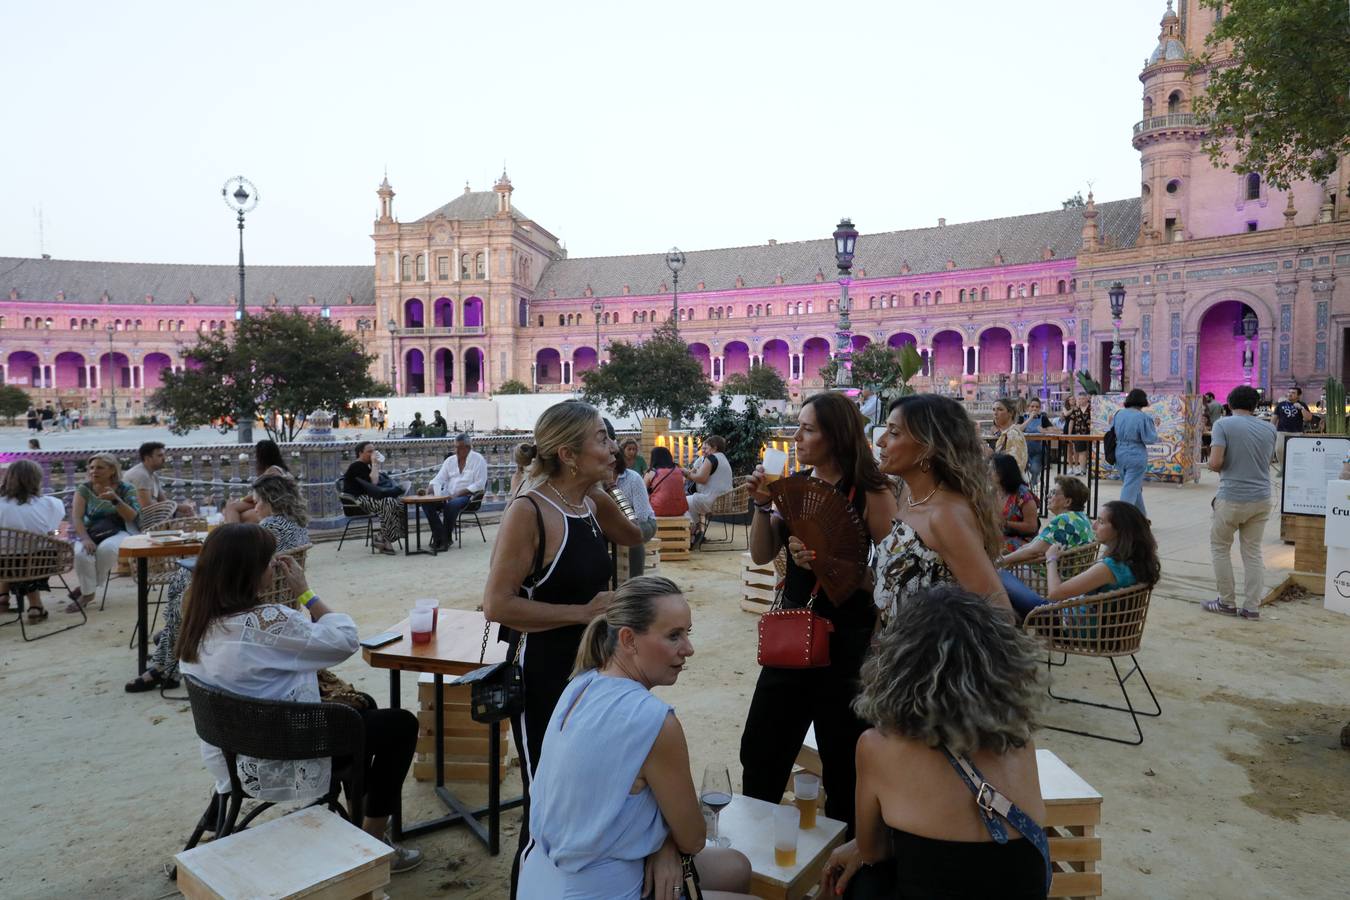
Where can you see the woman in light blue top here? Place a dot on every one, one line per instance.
(612, 801)
(1134, 432)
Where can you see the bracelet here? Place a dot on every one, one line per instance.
(306, 598)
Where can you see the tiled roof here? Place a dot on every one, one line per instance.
(970, 245)
(473, 206)
(86, 282)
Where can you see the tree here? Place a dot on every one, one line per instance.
(14, 401)
(881, 368)
(761, 381)
(1074, 202)
(282, 365)
(655, 378)
(512, 386)
(1279, 104)
(746, 432)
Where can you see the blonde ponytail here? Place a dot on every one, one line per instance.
(633, 606)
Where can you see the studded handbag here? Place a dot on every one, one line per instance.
(794, 638)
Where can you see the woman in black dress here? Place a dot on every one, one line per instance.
(829, 438)
(551, 566)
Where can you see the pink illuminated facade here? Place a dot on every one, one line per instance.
(476, 293)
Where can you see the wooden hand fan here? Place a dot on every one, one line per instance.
(822, 519)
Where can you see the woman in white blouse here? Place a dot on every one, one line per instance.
(273, 652)
(23, 507)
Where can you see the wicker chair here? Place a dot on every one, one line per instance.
(731, 509)
(1071, 562)
(1106, 625)
(275, 729)
(278, 591)
(29, 556)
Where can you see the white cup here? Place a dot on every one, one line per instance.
(786, 822)
(433, 605)
(775, 463)
(422, 620)
(379, 457)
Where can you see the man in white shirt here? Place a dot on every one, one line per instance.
(464, 473)
(156, 505)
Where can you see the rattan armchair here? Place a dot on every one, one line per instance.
(1071, 562)
(731, 509)
(277, 591)
(1109, 625)
(30, 556)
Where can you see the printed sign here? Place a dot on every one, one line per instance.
(1175, 459)
(1310, 462)
(1336, 591)
(1338, 514)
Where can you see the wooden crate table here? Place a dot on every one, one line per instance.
(312, 853)
(651, 561)
(1072, 811)
(757, 585)
(672, 534)
(749, 825)
(464, 759)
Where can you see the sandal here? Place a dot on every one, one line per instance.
(148, 681)
(78, 602)
(36, 614)
(1218, 606)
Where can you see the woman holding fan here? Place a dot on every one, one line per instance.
(830, 438)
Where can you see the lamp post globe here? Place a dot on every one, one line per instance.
(675, 262)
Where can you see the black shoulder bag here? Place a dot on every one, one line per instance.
(497, 691)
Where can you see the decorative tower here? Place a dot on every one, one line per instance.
(1090, 225)
(1167, 137)
(503, 189)
(386, 194)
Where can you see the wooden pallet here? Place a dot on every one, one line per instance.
(466, 741)
(651, 564)
(672, 538)
(757, 585)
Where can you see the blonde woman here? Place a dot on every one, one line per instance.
(101, 514)
(947, 529)
(550, 565)
(617, 830)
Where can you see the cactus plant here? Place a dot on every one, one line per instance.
(1333, 395)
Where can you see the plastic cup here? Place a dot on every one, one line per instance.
(423, 622)
(806, 790)
(435, 607)
(786, 822)
(775, 463)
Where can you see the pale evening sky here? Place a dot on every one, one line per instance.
(625, 127)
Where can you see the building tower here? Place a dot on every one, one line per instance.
(1167, 137)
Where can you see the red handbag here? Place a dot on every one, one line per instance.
(794, 638)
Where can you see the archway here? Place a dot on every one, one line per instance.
(473, 367)
(583, 360)
(860, 341)
(443, 366)
(815, 356)
(71, 370)
(443, 313)
(548, 367)
(114, 362)
(25, 369)
(900, 339)
(414, 372)
(473, 314)
(996, 352)
(949, 355)
(1220, 346)
(153, 369)
(778, 358)
(701, 353)
(735, 358)
(412, 313)
(1045, 350)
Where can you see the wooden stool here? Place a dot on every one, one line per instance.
(1072, 811)
(757, 585)
(672, 535)
(651, 561)
(312, 853)
(466, 741)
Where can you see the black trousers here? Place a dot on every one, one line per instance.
(391, 739)
(444, 531)
(786, 702)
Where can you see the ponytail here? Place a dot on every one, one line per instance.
(597, 646)
(633, 606)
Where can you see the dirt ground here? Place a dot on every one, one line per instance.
(1240, 789)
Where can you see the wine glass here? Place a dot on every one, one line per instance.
(715, 793)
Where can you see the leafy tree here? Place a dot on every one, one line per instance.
(746, 432)
(761, 381)
(512, 386)
(1280, 102)
(1074, 202)
(655, 378)
(280, 365)
(881, 368)
(14, 401)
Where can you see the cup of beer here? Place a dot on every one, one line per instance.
(806, 790)
(775, 464)
(785, 826)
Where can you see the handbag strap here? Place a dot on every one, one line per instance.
(995, 808)
(534, 574)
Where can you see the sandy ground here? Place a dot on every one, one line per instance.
(1239, 790)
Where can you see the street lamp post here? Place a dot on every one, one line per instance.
(845, 243)
(1116, 294)
(112, 378)
(1249, 326)
(243, 199)
(597, 307)
(675, 262)
(393, 355)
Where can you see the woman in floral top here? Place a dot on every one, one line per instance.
(1021, 509)
(1068, 527)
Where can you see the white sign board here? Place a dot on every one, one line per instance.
(1336, 591)
(1310, 461)
(1338, 514)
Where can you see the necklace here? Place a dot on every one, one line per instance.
(913, 503)
(583, 509)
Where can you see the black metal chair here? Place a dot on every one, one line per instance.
(474, 505)
(276, 729)
(355, 514)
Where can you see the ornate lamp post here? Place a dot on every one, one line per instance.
(243, 199)
(845, 242)
(1116, 294)
(675, 262)
(393, 355)
(1249, 326)
(1045, 374)
(112, 378)
(597, 307)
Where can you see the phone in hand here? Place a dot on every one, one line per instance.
(379, 640)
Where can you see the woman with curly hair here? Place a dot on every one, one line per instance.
(954, 683)
(947, 529)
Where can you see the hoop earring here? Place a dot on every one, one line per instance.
(925, 465)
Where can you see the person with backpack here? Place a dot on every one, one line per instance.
(1134, 431)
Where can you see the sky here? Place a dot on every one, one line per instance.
(625, 127)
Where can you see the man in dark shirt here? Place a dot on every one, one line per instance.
(1290, 414)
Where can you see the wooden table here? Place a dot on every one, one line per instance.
(417, 502)
(453, 650)
(141, 548)
(749, 825)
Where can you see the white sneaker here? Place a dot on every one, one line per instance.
(405, 859)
